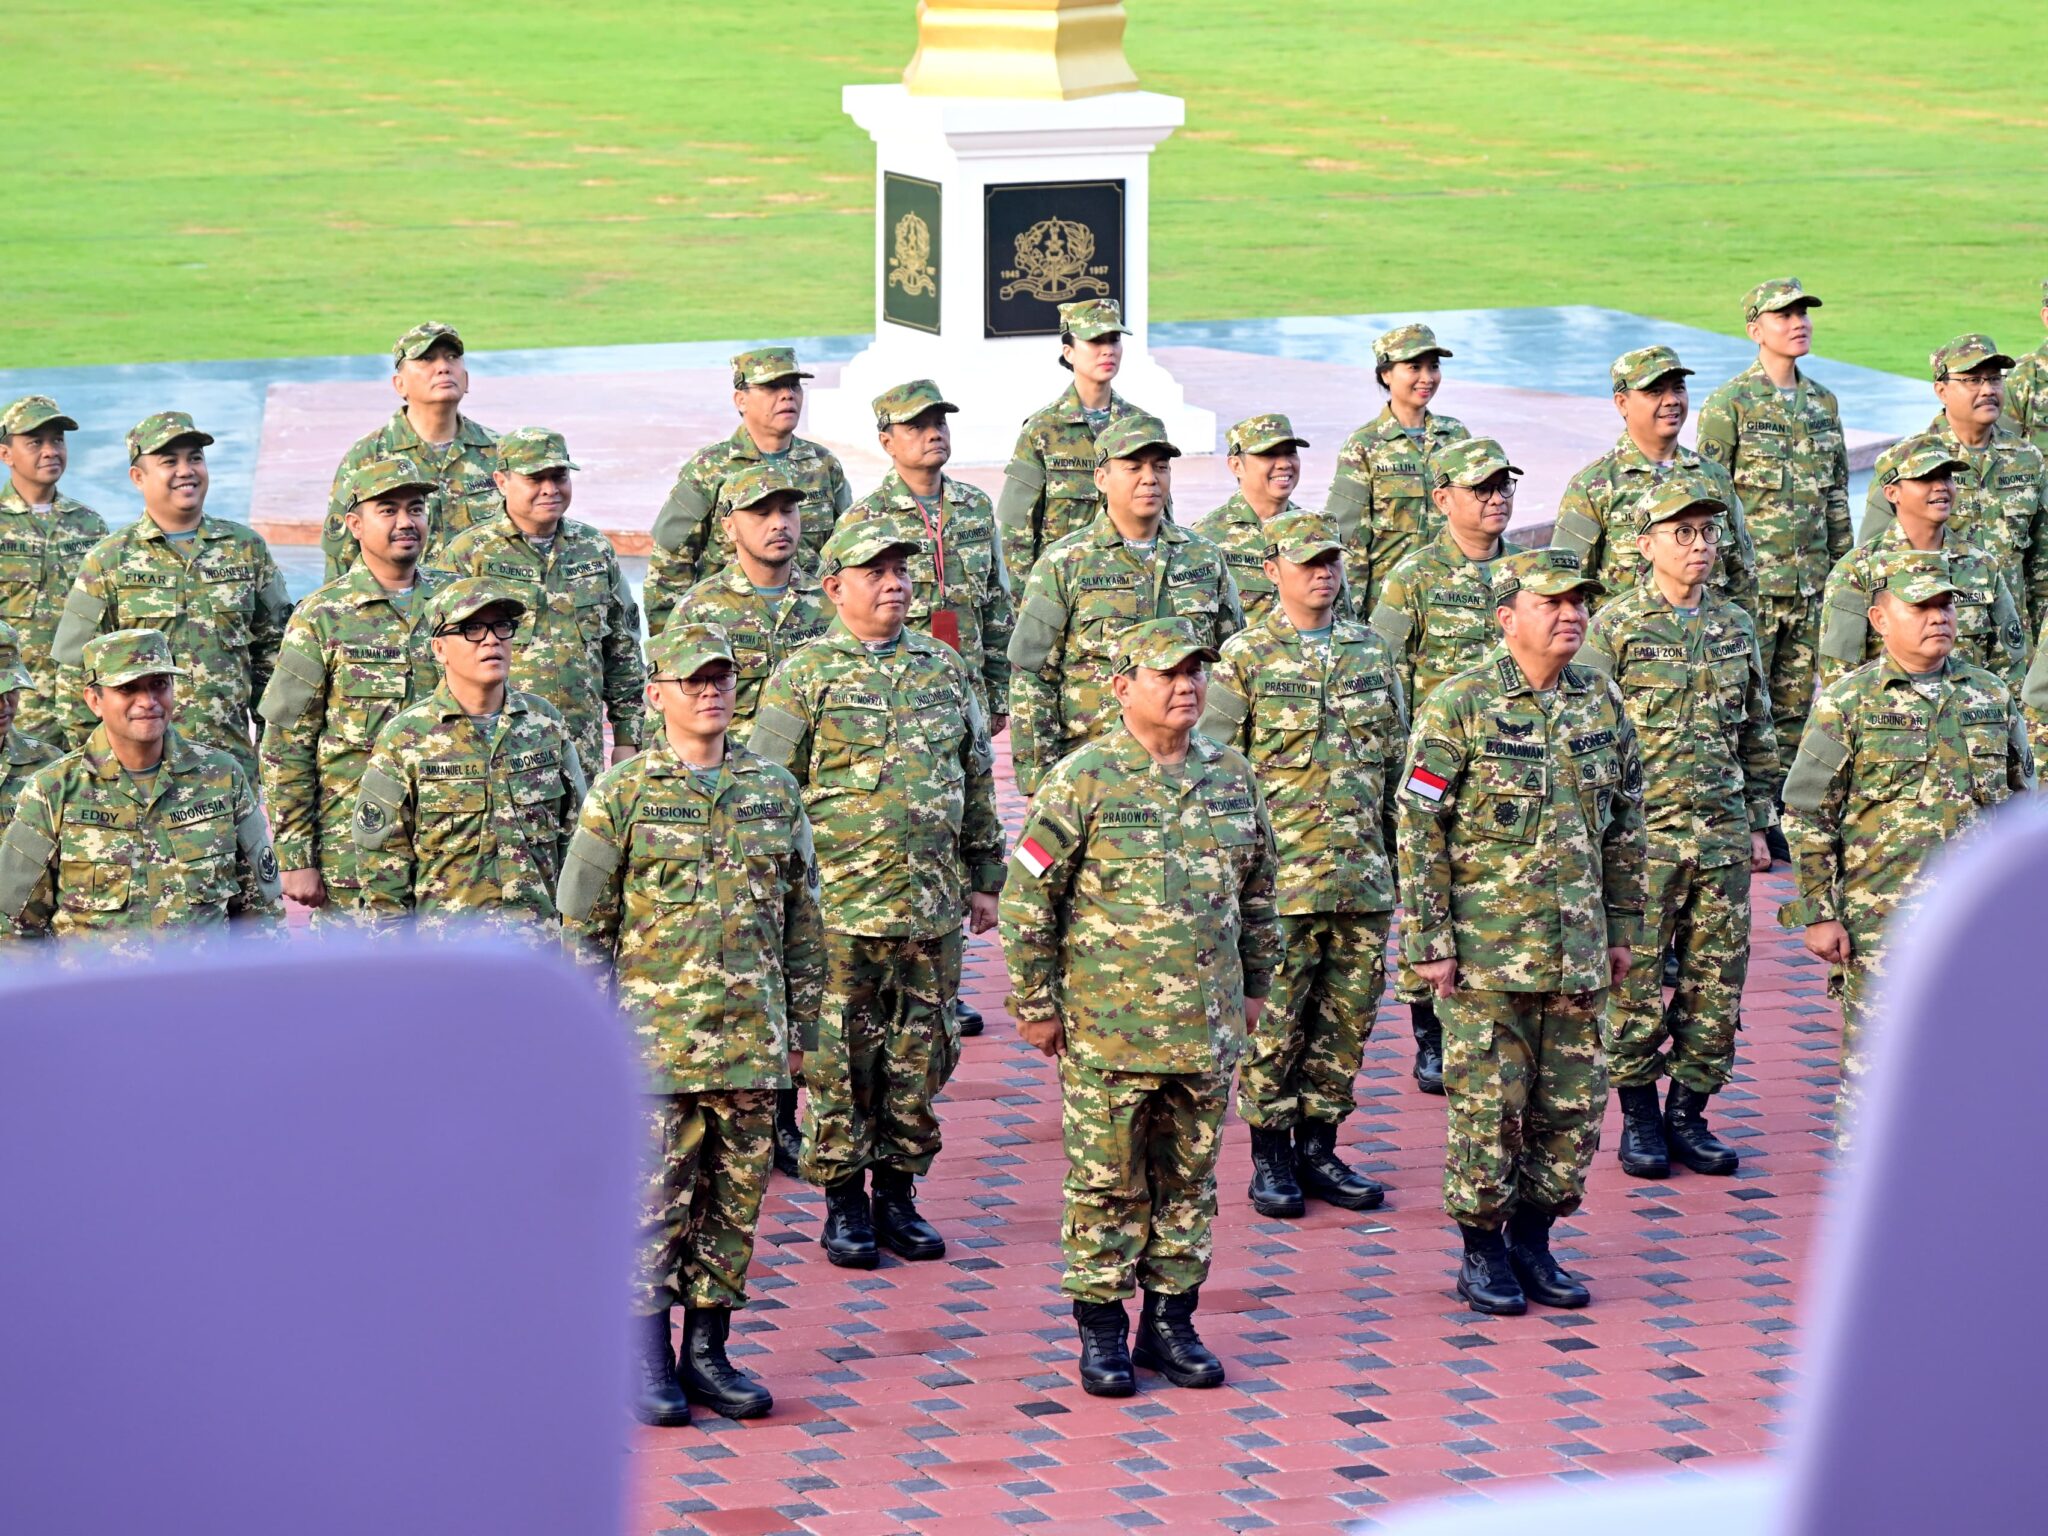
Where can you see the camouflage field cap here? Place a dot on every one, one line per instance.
(415, 342)
(529, 450)
(907, 402)
(1263, 434)
(862, 543)
(1643, 367)
(1546, 572)
(1092, 319)
(1158, 644)
(157, 432)
(765, 365)
(1676, 497)
(33, 411)
(1471, 461)
(1405, 343)
(1122, 439)
(684, 650)
(126, 654)
(1921, 457)
(1915, 575)
(1965, 353)
(1775, 294)
(1299, 537)
(466, 598)
(380, 477)
(760, 480)
(13, 674)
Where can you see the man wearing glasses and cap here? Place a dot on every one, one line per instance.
(44, 538)
(1265, 456)
(142, 828)
(470, 796)
(692, 884)
(429, 428)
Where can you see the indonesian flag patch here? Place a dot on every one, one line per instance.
(1032, 855)
(1426, 784)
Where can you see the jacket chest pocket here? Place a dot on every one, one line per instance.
(586, 608)
(1458, 629)
(1235, 837)
(765, 846)
(225, 609)
(1891, 763)
(1070, 501)
(206, 859)
(451, 811)
(1367, 710)
(750, 656)
(1126, 862)
(1104, 606)
(1599, 776)
(20, 577)
(1761, 468)
(1196, 593)
(1972, 618)
(146, 606)
(1504, 799)
(971, 562)
(1284, 730)
(1399, 497)
(941, 726)
(666, 862)
(1987, 744)
(91, 876)
(369, 693)
(847, 747)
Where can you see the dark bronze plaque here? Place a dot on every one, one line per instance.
(1049, 243)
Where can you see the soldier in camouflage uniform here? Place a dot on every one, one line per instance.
(2002, 492)
(355, 653)
(1778, 434)
(1691, 679)
(429, 428)
(470, 796)
(1919, 482)
(1900, 757)
(1049, 488)
(1436, 615)
(1141, 937)
(1265, 456)
(580, 646)
(1602, 505)
(879, 725)
(1313, 701)
(691, 883)
(210, 585)
(44, 537)
(689, 539)
(1130, 564)
(1380, 496)
(20, 753)
(141, 829)
(2026, 390)
(1521, 833)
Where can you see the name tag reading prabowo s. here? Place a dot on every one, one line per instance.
(1142, 816)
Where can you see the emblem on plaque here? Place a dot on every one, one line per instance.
(910, 268)
(1046, 244)
(1053, 259)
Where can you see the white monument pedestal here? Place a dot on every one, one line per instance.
(957, 148)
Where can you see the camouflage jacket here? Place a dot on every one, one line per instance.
(20, 756)
(976, 587)
(1049, 486)
(462, 470)
(1696, 694)
(1790, 466)
(1325, 728)
(690, 544)
(1989, 630)
(1600, 514)
(92, 849)
(450, 827)
(579, 645)
(702, 904)
(1235, 529)
(2001, 507)
(1522, 845)
(350, 661)
(1884, 777)
(1140, 909)
(763, 635)
(1380, 496)
(1436, 615)
(2026, 398)
(1086, 590)
(898, 776)
(223, 609)
(39, 560)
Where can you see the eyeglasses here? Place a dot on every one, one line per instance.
(713, 682)
(473, 630)
(1505, 491)
(1688, 534)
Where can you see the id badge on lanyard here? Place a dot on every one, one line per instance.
(945, 621)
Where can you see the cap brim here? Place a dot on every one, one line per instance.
(910, 546)
(1097, 332)
(1661, 373)
(1174, 656)
(1301, 554)
(1923, 594)
(693, 662)
(519, 610)
(1945, 467)
(121, 679)
(45, 421)
(15, 677)
(534, 469)
(1414, 352)
(418, 350)
(1788, 302)
(934, 405)
(755, 501)
(388, 490)
(1134, 449)
(1492, 470)
(777, 378)
(1271, 443)
(203, 439)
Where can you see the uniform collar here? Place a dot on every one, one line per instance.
(662, 762)
(1103, 533)
(893, 490)
(1574, 679)
(467, 433)
(838, 634)
(11, 500)
(98, 752)
(14, 749)
(1131, 753)
(1628, 455)
(446, 707)
(1456, 557)
(1941, 428)
(210, 527)
(742, 446)
(737, 581)
(1387, 427)
(362, 589)
(1068, 407)
(1890, 672)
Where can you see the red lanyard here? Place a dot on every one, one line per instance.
(938, 535)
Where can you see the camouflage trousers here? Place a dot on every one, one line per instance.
(1301, 1060)
(1141, 1178)
(710, 1154)
(1856, 985)
(1788, 634)
(1527, 1085)
(887, 1043)
(1704, 915)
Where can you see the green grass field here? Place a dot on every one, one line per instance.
(263, 179)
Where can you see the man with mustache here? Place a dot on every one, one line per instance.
(44, 538)
(1265, 456)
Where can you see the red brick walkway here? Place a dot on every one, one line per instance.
(941, 1397)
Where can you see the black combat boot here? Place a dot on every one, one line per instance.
(1429, 1047)
(1168, 1343)
(1486, 1280)
(1326, 1175)
(709, 1379)
(1273, 1190)
(1643, 1153)
(789, 1141)
(849, 1235)
(1105, 1348)
(658, 1399)
(898, 1226)
(1691, 1142)
(1543, 1278)
(968, 1017)
(1774, 840)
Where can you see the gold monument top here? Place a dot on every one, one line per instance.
(1048, 49)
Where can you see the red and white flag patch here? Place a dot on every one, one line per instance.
(1426, 784)
(1033, 856)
